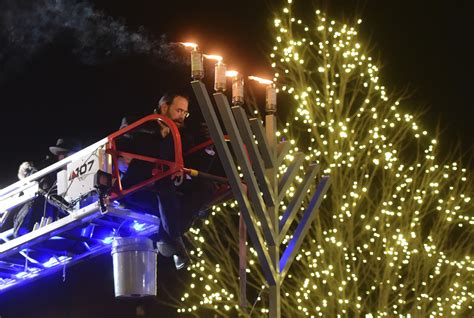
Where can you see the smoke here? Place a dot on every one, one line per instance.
(26, 28)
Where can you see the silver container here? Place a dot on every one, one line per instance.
(197, 65)
(134, 261)
(238, 90)
(220, 80)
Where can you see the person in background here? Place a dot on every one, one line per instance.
(34, 210)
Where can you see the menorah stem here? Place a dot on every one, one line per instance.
(274, 250)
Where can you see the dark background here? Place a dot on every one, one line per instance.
(57, 89)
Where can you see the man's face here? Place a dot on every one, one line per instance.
(177, 111)
(62, 155)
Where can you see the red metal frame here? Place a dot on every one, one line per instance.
(173, 166)
(202, 146)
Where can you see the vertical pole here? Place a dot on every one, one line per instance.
(243, 263)
(274, 250)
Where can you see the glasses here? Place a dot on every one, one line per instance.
(182, 112)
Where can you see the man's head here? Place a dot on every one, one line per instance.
(175, 107)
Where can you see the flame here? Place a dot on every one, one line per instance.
(213, 57)
(261, 80)
(189, 44)
(231, 73)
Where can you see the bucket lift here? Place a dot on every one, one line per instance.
(88, 189)
(89, 183)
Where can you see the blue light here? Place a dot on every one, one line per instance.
(138, 226)
(88, 231)
(32, 272)
(56, 238)
(53, 261)
(21, 275)
(5, 283)
(86, 245)
(108, 240)
(108, 235)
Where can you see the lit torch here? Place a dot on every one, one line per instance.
(237, 87)
(271, 98)
(194, 46)
(197, 67)
(219, 73)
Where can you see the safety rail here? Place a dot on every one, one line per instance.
(173, 166)
(18, 187)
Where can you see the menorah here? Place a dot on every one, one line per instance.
(258, 155)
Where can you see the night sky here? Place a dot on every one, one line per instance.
(80, 80)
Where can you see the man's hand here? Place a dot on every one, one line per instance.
(164, 130)
(178, 177)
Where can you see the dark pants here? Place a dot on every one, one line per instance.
(31, 213)
(176, 207)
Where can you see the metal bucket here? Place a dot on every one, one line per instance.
(134, 261)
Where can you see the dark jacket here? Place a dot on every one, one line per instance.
(147, 140)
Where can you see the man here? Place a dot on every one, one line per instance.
(175, 107)
(176, 205)
(32, 211)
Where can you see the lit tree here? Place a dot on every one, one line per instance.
(394, 235)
